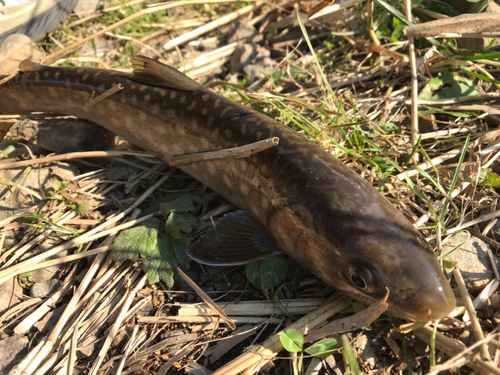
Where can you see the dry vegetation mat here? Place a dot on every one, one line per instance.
(416, 115)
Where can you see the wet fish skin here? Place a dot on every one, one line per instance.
(320, 212)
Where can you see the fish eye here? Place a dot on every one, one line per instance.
(360, 276)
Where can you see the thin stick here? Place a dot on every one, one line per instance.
(127, 350)
(205, 297)
(114, 329)
(210, 26)
(414, 82)
(476, 327)
(68, 258)
(235, 152)
(74, 155)
(104, 95)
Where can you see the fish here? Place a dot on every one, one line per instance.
(294, 197)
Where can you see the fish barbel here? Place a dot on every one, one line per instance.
(318, 211)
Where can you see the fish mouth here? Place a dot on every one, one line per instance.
(429, 305)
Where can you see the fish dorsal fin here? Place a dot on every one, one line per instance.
(30, 66)
(153, 72)
(236, 238)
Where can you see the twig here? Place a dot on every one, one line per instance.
(104, 95)
(235, 152)
(476, 327)
(74, 155)
(205, 297)
(414, 83)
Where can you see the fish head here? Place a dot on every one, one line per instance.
(364, 247)
(401, 262)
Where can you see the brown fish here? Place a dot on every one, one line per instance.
(322, 214)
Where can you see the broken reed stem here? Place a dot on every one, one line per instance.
(29, 366)
(270, 348)
(74, 155)
(235, 152)
(104, 95)
(68, 258)
(476, 327)
(116, 325)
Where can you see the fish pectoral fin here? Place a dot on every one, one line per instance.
(155, 73)
(30, 66)
(235, 239)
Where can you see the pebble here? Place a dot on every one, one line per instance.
(366, 349)
(488, 311)
(9, 295)
(52, 135)
(45, 288)
(12, 351)
(14, 49)
(472, 260)
(465, 337)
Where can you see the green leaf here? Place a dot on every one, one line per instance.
(83, 208)
(179, 223)
(56, 185)
(180, 246)
(184, 203)
(350, 358)
(292, 340)
(325, 346)
(160, 253)
(267, 273)
(140, 240)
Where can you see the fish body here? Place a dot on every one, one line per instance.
(317, 210)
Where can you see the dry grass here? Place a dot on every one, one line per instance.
(356, 96)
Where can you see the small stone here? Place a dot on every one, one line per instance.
(52, 135)
(14, 49)
(365, 349)
(487, 324)
(472, 260)
(465, 337)
(45, 288)
(10, 293)
(12, 351)
(89, 348)
(44, 274)
(85, 8)
(488, 311)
